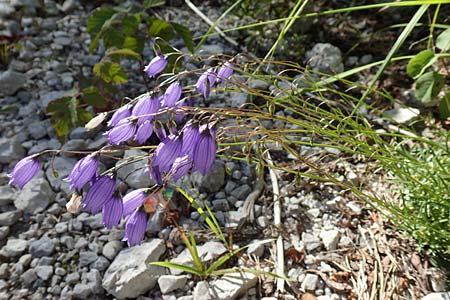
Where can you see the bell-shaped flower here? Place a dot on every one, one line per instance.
(205, 150)
(24, 171)
(160, 131)
(83, 172)
(112, 212)
(156, 66)
(172, 95)
(135, 228)
(191, 136)
(180, 167)
(132, 201)
(145, 108)
(144, 131)
(225, 72)
(166, 153)
(122, 132)
(120, 114)
(206, 82)
(99, 193)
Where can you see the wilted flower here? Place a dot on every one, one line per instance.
(135, 228)
(95, 121)
(83, 171)
(145, 107)
(156, 66)
(133, 200)
(225, 72)
(205, 150)
(112, 212)
(122, 132)
(144, 132)
(24, 171)
(206, 82)
(120, 114)
(172, 94)
(100, 192)
(74, 203)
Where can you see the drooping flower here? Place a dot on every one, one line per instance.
(206, 82)
(205, 150)
(120, 114)
(112, 212)
(160, 131)
(156, 66)
(225, 72)
(172, 94)
(191, 137)
(132, 201)
(135, 228)
(145, 108)
(166, 153)
(24, 171)
(84, 170)
(100, 193)
(144, 131)
(122, 132)
(180, 167)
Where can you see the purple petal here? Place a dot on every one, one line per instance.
(100, 192)
(83, 171)
(132, 201)
(206, 82)
(120, 114)
(191, 136)
(172, 94)
(135, 228)
(225, 72)
(180, 167)
(112, 212)
(122, 132)
(145, 108)
(205, 152)
(156, 66)
(144, 132)
(166, 152)
(24, 171)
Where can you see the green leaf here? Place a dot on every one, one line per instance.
(184, 268)
(428, 87)
(160, 28)
(133, 43)
(98, 19)
(64, 115)
(110, 72)
(186, 35)
(130, 24)
(83, 117)
(443, 40)
(113, 38)
(92, 97)
(419, 62)
(124, 52)
(444, 107)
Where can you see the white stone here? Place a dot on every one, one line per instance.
(402, 115)
(437, 296)
(330, 238)
(168, 283)
(232, 285)
(310, 282)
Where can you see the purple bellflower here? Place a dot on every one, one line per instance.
(132, 201)
(100, 193)
(225, 72)
(191, 136)
(172, 94)
(122, 132)
(145, 107)
(156, 66)
(24, 171)
(205, 150)
(160, 131)
(166, 153)
(180, 167)
(120, 114)
(84, 171)
(135, 228)
(206, 82)
(145, 130)
(112, 212)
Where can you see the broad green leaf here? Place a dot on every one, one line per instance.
(110, 72)
(83, 117)
(130, 24)
(428, 87)
(64, 115)
(418, 62)
(134, 43)
(98, 19)
(184, 268)
(113, 38)
(443, 40)
(160, 28)
(124, 52)
(92, 97)
(61, 126)
(186, 35)
(153, 3)
(444, 107)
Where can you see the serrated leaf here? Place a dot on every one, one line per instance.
(160, 28)
(444, 107)
(443, 40)
(113, 38)
(419, 62)
(92, 97)
(130, 24)
(98, 19)
(186, 35)
(428, 87)
(124, 52)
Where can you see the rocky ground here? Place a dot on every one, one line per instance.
(335, 247)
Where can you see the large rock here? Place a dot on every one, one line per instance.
(11, 81)
(9, 218)
(232, 285)
(325, 58)
(213, 181)
(35, 196)
(7, 195)
(133, 173)
(42, 247)
(15, 247)
(10, 150)
(62, 165)
(130, 274)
